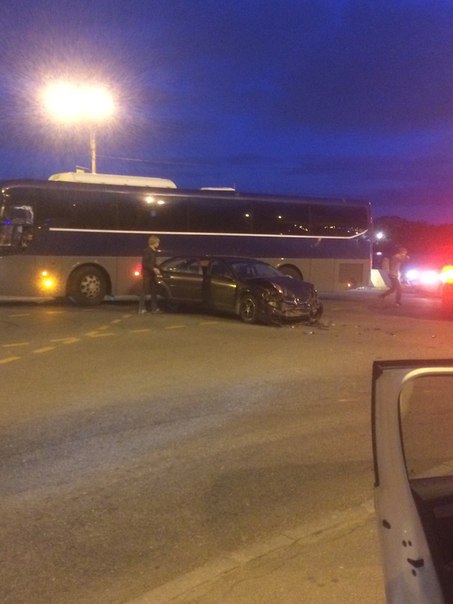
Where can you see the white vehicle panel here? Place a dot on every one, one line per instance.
(412, 420)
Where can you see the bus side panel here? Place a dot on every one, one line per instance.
(338, 274)
(331, 264)
(129, 280)
(19, 276)
(63, 251)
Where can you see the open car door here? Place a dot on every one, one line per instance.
(412, 424)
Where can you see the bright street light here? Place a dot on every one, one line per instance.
(79, 103)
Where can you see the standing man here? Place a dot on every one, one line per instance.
(394, 274)
(150, 272)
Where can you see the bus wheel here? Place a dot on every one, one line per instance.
(88, 286)
(248, 308)
(291, 271)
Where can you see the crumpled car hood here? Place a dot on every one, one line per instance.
(301, 289)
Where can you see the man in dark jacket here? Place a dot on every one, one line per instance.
(150, 272)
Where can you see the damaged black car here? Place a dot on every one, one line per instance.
(251, 289)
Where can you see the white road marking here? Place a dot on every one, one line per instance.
(8, 360)
(43, 349)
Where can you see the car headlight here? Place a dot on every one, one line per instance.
(290, 297)
(447, 274)
(429, 277)
(413, 274)
(273, 296)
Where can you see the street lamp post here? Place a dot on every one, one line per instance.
(71, 103)
(93, 149)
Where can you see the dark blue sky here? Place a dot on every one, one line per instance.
(328, 98)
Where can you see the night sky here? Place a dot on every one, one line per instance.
(326, 98)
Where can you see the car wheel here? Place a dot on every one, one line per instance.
(88, 286)
(248, 308)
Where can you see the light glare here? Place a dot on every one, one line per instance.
(447, 274)
(47, 281)
(68, 102)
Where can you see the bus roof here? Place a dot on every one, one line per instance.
(205, 192)
(113, 179)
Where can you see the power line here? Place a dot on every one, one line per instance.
(150, 161)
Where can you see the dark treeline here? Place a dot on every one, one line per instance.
(417, 237)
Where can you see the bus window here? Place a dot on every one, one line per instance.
(95, 213)
(77, 210)
(219, 216)
(17, 214)
(337, 220)
(281, 219)
(50, 211)
(153, 212)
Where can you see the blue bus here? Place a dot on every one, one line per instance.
(83, 239)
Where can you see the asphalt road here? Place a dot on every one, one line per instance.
(145, 457)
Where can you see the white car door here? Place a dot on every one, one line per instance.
(412, 425)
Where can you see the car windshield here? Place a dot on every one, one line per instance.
(249, 270)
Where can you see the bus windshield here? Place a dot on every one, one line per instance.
(16, 225)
